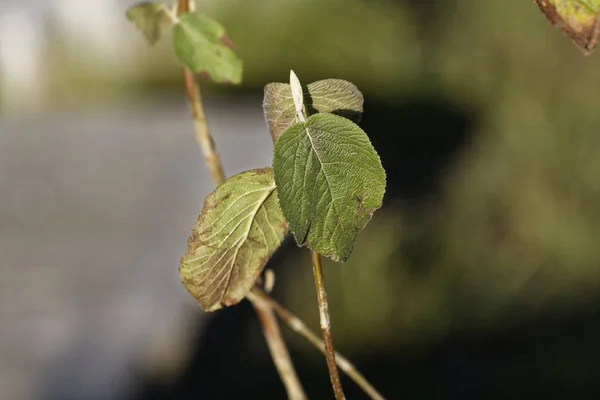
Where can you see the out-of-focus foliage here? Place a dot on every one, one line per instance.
(373, 44)
(150, 18)
(202, 45)
(577, 18)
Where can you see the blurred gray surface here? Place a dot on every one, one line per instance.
(95, 210)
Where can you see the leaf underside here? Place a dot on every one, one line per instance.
(149, 17)
(329, 181)
(579, 19)
(240, 228)
(335, 96)
(201, 44)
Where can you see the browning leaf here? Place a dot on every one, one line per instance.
(580, 19)
(239, 229)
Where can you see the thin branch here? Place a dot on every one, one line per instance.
(277, 347)
(203, 136)
(184, 6)
(326, 326)
(269, 324)
(300, 328)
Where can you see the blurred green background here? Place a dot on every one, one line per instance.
(479, 276)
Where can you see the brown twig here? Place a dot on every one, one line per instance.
(203, 136)
(300, 328)
(326, 326)
(277, 346)
(269, 324)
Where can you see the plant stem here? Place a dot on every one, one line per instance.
(277, 346)
(211, 158)
(326, 326)
(269, 324)
(300, 328)
(203, 136)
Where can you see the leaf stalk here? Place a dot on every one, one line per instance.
(325, 322)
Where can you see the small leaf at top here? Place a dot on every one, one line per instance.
(202, 45)
(239, 229)
(150, 18)
(297, 96)
(580, 19)
(329, 182)
(335, 96)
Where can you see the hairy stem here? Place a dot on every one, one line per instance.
(326, 326)
(301, 329)
(269, 324)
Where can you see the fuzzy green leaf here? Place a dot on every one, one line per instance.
(202, 45)
(329, 182)
(239, 229)
(580, 19)
(335, 96)
(150, 18)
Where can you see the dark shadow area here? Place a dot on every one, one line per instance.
(551, 356)
(428, 13)
(417, 140)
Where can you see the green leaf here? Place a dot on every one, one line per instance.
(202, 45)
(335, 96)
(239, 229)
(580, 19)
(329, 182)
(150, 18)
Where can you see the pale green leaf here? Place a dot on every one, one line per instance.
(202, 45)
(580, 19)
(329, 182)
(239, 229)
(297, 96)
(335, 96)
(150, 18)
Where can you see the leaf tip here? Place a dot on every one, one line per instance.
(297, 95)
